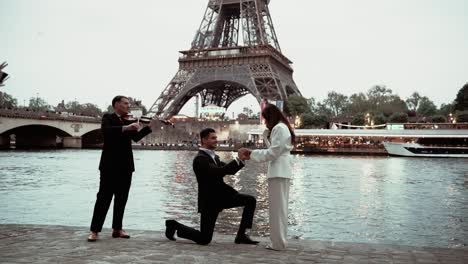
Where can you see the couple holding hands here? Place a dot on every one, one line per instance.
(214, 195)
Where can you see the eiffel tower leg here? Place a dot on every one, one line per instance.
(167, 97)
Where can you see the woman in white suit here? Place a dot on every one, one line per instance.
(279, 138)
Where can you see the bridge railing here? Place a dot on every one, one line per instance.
(48, 115)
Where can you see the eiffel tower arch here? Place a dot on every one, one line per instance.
(235, 52)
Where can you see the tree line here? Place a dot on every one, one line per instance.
(378, 105)
(39, 104)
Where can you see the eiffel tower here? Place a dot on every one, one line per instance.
(235, 52)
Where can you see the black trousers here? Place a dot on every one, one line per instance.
(208, 220)
(112, 184)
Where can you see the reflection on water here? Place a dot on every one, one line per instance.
(421, 202)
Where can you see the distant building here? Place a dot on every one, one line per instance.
(212, 112)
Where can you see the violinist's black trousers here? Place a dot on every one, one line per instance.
(115, 184)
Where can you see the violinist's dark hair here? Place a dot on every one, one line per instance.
(118, 98)
(273, 116)
(206, 132)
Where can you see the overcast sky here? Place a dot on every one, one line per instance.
(91, 50)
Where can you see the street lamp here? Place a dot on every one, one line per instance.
(297, 122)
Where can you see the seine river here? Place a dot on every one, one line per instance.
(406, 201)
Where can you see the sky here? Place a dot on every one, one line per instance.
(91, 50)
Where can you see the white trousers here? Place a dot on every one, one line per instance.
(278, 196)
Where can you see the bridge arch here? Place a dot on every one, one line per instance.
(35, 136)
(92, 139)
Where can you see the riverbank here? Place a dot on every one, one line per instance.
(59, 244)
(308, 151)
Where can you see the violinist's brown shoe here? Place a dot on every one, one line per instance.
(119, 234)
(92, 237)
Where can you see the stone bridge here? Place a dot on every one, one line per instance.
(29, 129)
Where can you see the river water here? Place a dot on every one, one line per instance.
(406, 201)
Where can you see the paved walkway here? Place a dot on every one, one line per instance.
(57, 244)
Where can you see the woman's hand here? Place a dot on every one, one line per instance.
(244, 153)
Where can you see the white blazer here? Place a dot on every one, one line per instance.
(278, 154)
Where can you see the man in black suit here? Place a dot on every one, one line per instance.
(214, 195)
(116, 167)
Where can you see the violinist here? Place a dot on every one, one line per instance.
(116, 166)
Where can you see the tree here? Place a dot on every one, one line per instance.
(426, 107)
(378, 95)
(323, 110)
(392, 104)
(358, 103)
(413, 101)
(297, 105)
(247, 111)
(7, 101)
(137, 103)
(462, 117)
(38, 104)
(447, 109)
(312, 104)
(310, 120)
(359, 119)
(256, 116)
(89, 109)
(73, 107)
(336, 102)
(399, 118)
(439, 119)
(380, 119)
(461, 102)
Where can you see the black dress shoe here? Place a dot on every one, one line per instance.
(171, 227)
(245, 239)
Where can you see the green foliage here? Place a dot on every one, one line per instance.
(7, 101)
(86, 109)
(462, 117)
(461, 102)
(426, 107)
(297, 105)
(447, 109)
(378, 95)
(392, 105)
(413, 101)
(398, 118)
(137, 103)
(439, 119)
(380, 119)
(310, 120)
(359, 119)
(38, 104)
(110, 109)
(247, 111)
(336, 102)
(358, 103)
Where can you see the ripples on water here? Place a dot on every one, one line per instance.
(421, 202)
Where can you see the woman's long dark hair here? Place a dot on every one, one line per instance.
(273, 116)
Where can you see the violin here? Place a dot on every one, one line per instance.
(129, 119)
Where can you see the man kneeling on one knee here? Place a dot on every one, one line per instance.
(214, 195)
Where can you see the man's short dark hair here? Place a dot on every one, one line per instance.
(118, 98)
(206, 132)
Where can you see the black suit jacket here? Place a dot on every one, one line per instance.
(213, 193)
(117, 155)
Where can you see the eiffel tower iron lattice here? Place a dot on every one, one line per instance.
(235, 52)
